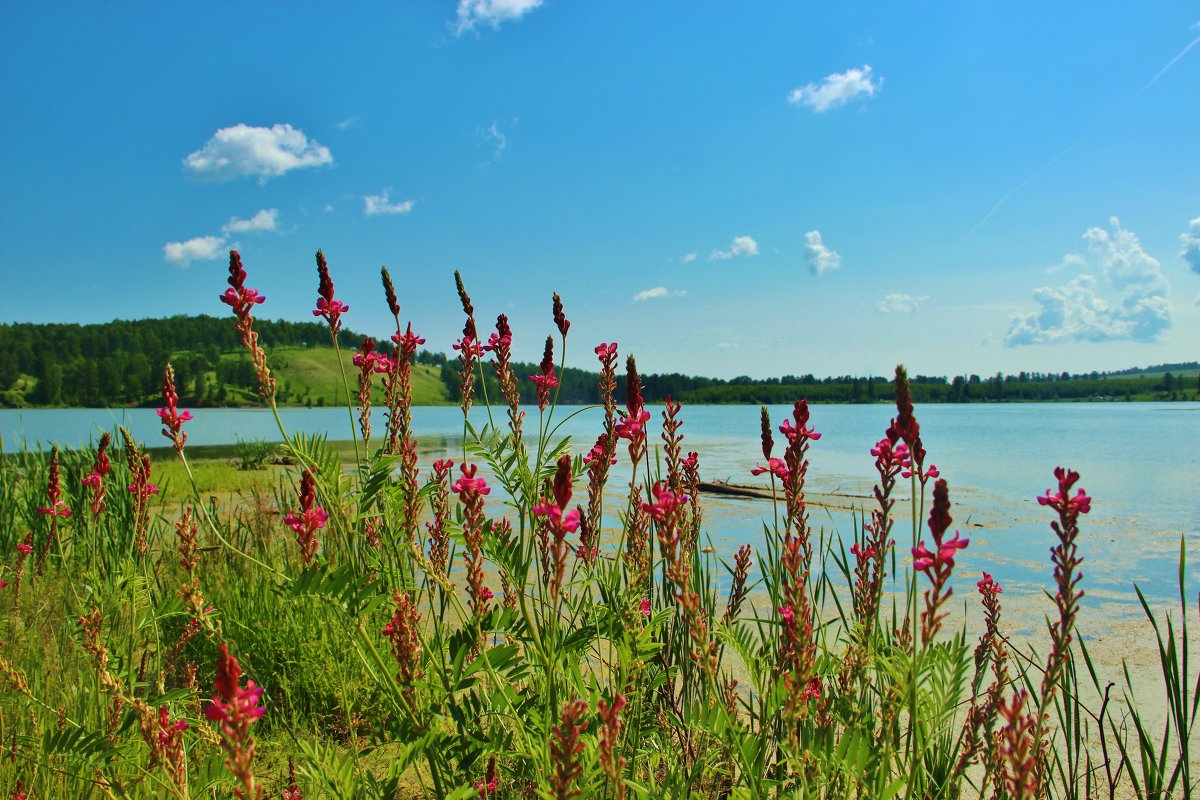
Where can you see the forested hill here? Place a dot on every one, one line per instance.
(121, 363)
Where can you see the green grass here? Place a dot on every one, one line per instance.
(216, 477)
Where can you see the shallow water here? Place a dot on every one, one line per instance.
(1139, 461)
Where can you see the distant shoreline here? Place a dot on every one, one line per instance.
(799, 396)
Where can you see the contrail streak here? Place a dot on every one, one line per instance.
(1085, 136)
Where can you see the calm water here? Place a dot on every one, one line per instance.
(1140, 462)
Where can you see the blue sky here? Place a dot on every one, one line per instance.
(723, 188)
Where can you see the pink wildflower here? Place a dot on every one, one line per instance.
(488, 785)
(469, 347)
(923, 476)
(597, 453)
(798, 432)
(938, 562)
(242, 301)
(366, 355)
(310, 519)
(408, 341)
(775, 466)
(559, 521)
(238, 297)
(235, 709)
(95, 480)
(633, 427)
(58, 506)
(545, 380)
(1061, 501)
(666, 503)
(292, 792)
(889, 456)
(142, 490)
(468, 484)
(172, 418)
(988, 586)
(471, 491)
(327, 306)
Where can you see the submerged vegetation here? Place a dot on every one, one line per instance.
(514, 622)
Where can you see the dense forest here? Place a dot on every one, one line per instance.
(120, 364)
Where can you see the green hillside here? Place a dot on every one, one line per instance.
(310, 376)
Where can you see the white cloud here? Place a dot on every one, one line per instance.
(495, 136)
(1076, 311)
(374, 204)
(656, 293)
(264, 220)
(836, 90)
(820, 258)
(202, 248)
(491, 12)
(348, 122)
(265, 152)
(1191, 245)
(900, 303)
(688, 258)
(742, 246)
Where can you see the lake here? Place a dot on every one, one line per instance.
(1139, 461)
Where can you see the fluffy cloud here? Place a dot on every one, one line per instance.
(688, 258)
(1076, 311)
(836, 90)
(742, 246)
(820, 258)
(202, 248)
(265, 152)
(1191, 245)
(374, 204)
(900, 303)
(658, 292)
(264, 220)
(491, 12)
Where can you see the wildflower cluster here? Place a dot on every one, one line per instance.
(309, 519)
(645, 666)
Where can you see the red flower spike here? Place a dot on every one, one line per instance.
(310, 518)
(235, 708)
(560, 319)
(172, 418)
(327, 306)
(545, 380)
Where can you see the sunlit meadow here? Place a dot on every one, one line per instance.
(514, 623)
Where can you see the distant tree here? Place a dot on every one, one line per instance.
(50, 385)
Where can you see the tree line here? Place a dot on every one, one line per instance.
(121, 363)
